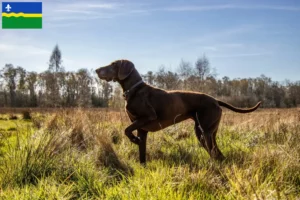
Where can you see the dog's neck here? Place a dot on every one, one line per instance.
(127, 83)
(130, 85)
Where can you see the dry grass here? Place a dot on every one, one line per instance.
(77, 153)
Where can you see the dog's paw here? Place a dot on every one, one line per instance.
(135, 140)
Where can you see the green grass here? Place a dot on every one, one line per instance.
(85, 155)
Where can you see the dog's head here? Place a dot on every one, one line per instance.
(116, 71)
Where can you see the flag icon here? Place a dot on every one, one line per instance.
(21, 15)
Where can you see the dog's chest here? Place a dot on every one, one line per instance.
(130, 115)
(131, 111)
(134, 108)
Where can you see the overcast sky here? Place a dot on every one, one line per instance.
(241, 38)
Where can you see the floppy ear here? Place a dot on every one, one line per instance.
(125, 69)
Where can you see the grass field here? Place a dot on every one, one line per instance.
(83, 154)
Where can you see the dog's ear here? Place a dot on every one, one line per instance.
(125, 69)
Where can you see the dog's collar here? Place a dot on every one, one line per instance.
(126, 93)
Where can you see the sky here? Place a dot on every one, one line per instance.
(241, 38)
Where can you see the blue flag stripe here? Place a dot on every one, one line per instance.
(25, 7)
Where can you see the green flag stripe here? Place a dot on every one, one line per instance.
(21, 22)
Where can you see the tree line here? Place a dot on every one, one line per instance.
(56, 87)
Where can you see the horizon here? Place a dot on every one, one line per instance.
(241, 40)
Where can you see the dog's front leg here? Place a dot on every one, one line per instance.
(134, 126)
(142, 146)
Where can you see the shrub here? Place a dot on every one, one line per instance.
(26, 114)
(13, 117)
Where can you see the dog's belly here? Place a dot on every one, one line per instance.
(157, 125)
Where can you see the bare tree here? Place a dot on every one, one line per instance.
(202, 67)
(185, 69)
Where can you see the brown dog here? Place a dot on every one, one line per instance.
(152, 109)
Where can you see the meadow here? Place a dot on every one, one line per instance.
(84, 154)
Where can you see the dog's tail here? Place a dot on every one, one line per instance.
(239, 110)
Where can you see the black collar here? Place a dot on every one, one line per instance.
(126, 93)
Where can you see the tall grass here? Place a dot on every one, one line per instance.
(78, 154)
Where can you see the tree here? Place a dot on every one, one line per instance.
(53, 78)
(117, 100)
(293, 92)
(278, 94)
(84, 89)
(55, 60)
(167, 80)
(149, 77)
(262, 90)
(202, 67)
(22, 78)
(225, 86)
(31, 80)
(21, 92)
(10, 74)
(185, 69)
(185, 72)
(203, 71)
(71, 90)
(106, 92)
(50, 90)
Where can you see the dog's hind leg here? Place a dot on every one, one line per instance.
(215, 151)
(206, 127)
(204, 140)
(200, 134)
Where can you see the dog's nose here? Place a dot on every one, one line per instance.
(101, 72)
